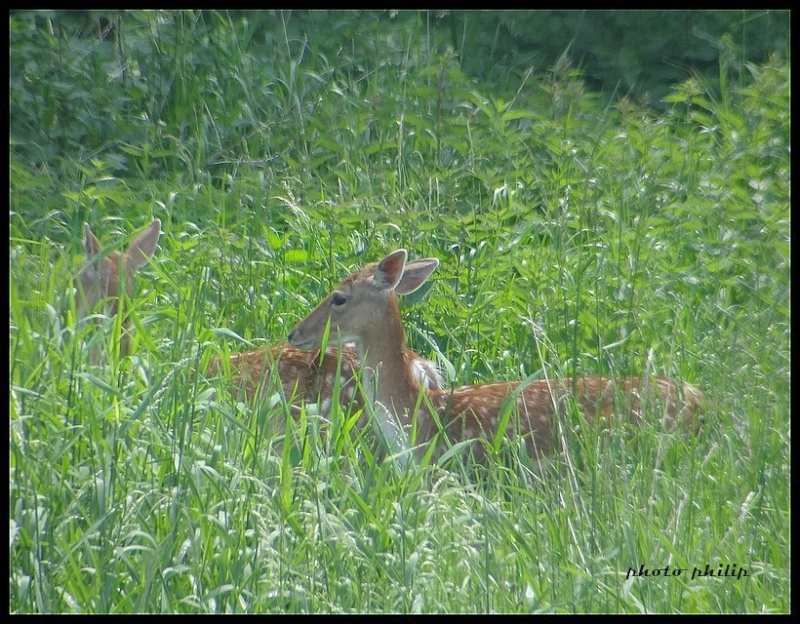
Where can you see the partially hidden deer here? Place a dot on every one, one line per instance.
(363, 309)
(104, 279)
(305, 377)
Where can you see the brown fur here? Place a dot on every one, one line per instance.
(307, 378)
(98, 283)
(364, 309)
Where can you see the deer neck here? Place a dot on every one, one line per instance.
(385, 377)
(388, 384)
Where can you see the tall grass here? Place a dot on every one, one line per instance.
(575, 237)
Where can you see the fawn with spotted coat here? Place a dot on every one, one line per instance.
(363, 309)
(308, 376)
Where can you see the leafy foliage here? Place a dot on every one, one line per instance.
(577, 234)
(638, 53)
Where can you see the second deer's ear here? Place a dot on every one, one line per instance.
(143, 245)
(91, 245)
(389, 271)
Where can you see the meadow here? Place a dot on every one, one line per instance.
(576, 235)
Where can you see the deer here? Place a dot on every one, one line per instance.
(308, 376)
(106, 279)
(305, 376)
(364, 310)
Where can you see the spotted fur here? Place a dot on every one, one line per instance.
(364, 309)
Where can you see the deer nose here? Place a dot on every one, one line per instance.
(292, 335)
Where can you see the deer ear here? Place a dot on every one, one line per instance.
(390, 270)
(415, 274)
(142, 247)
(91, 245)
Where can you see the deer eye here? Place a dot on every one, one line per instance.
(338, 299)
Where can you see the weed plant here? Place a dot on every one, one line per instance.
(575, 237)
